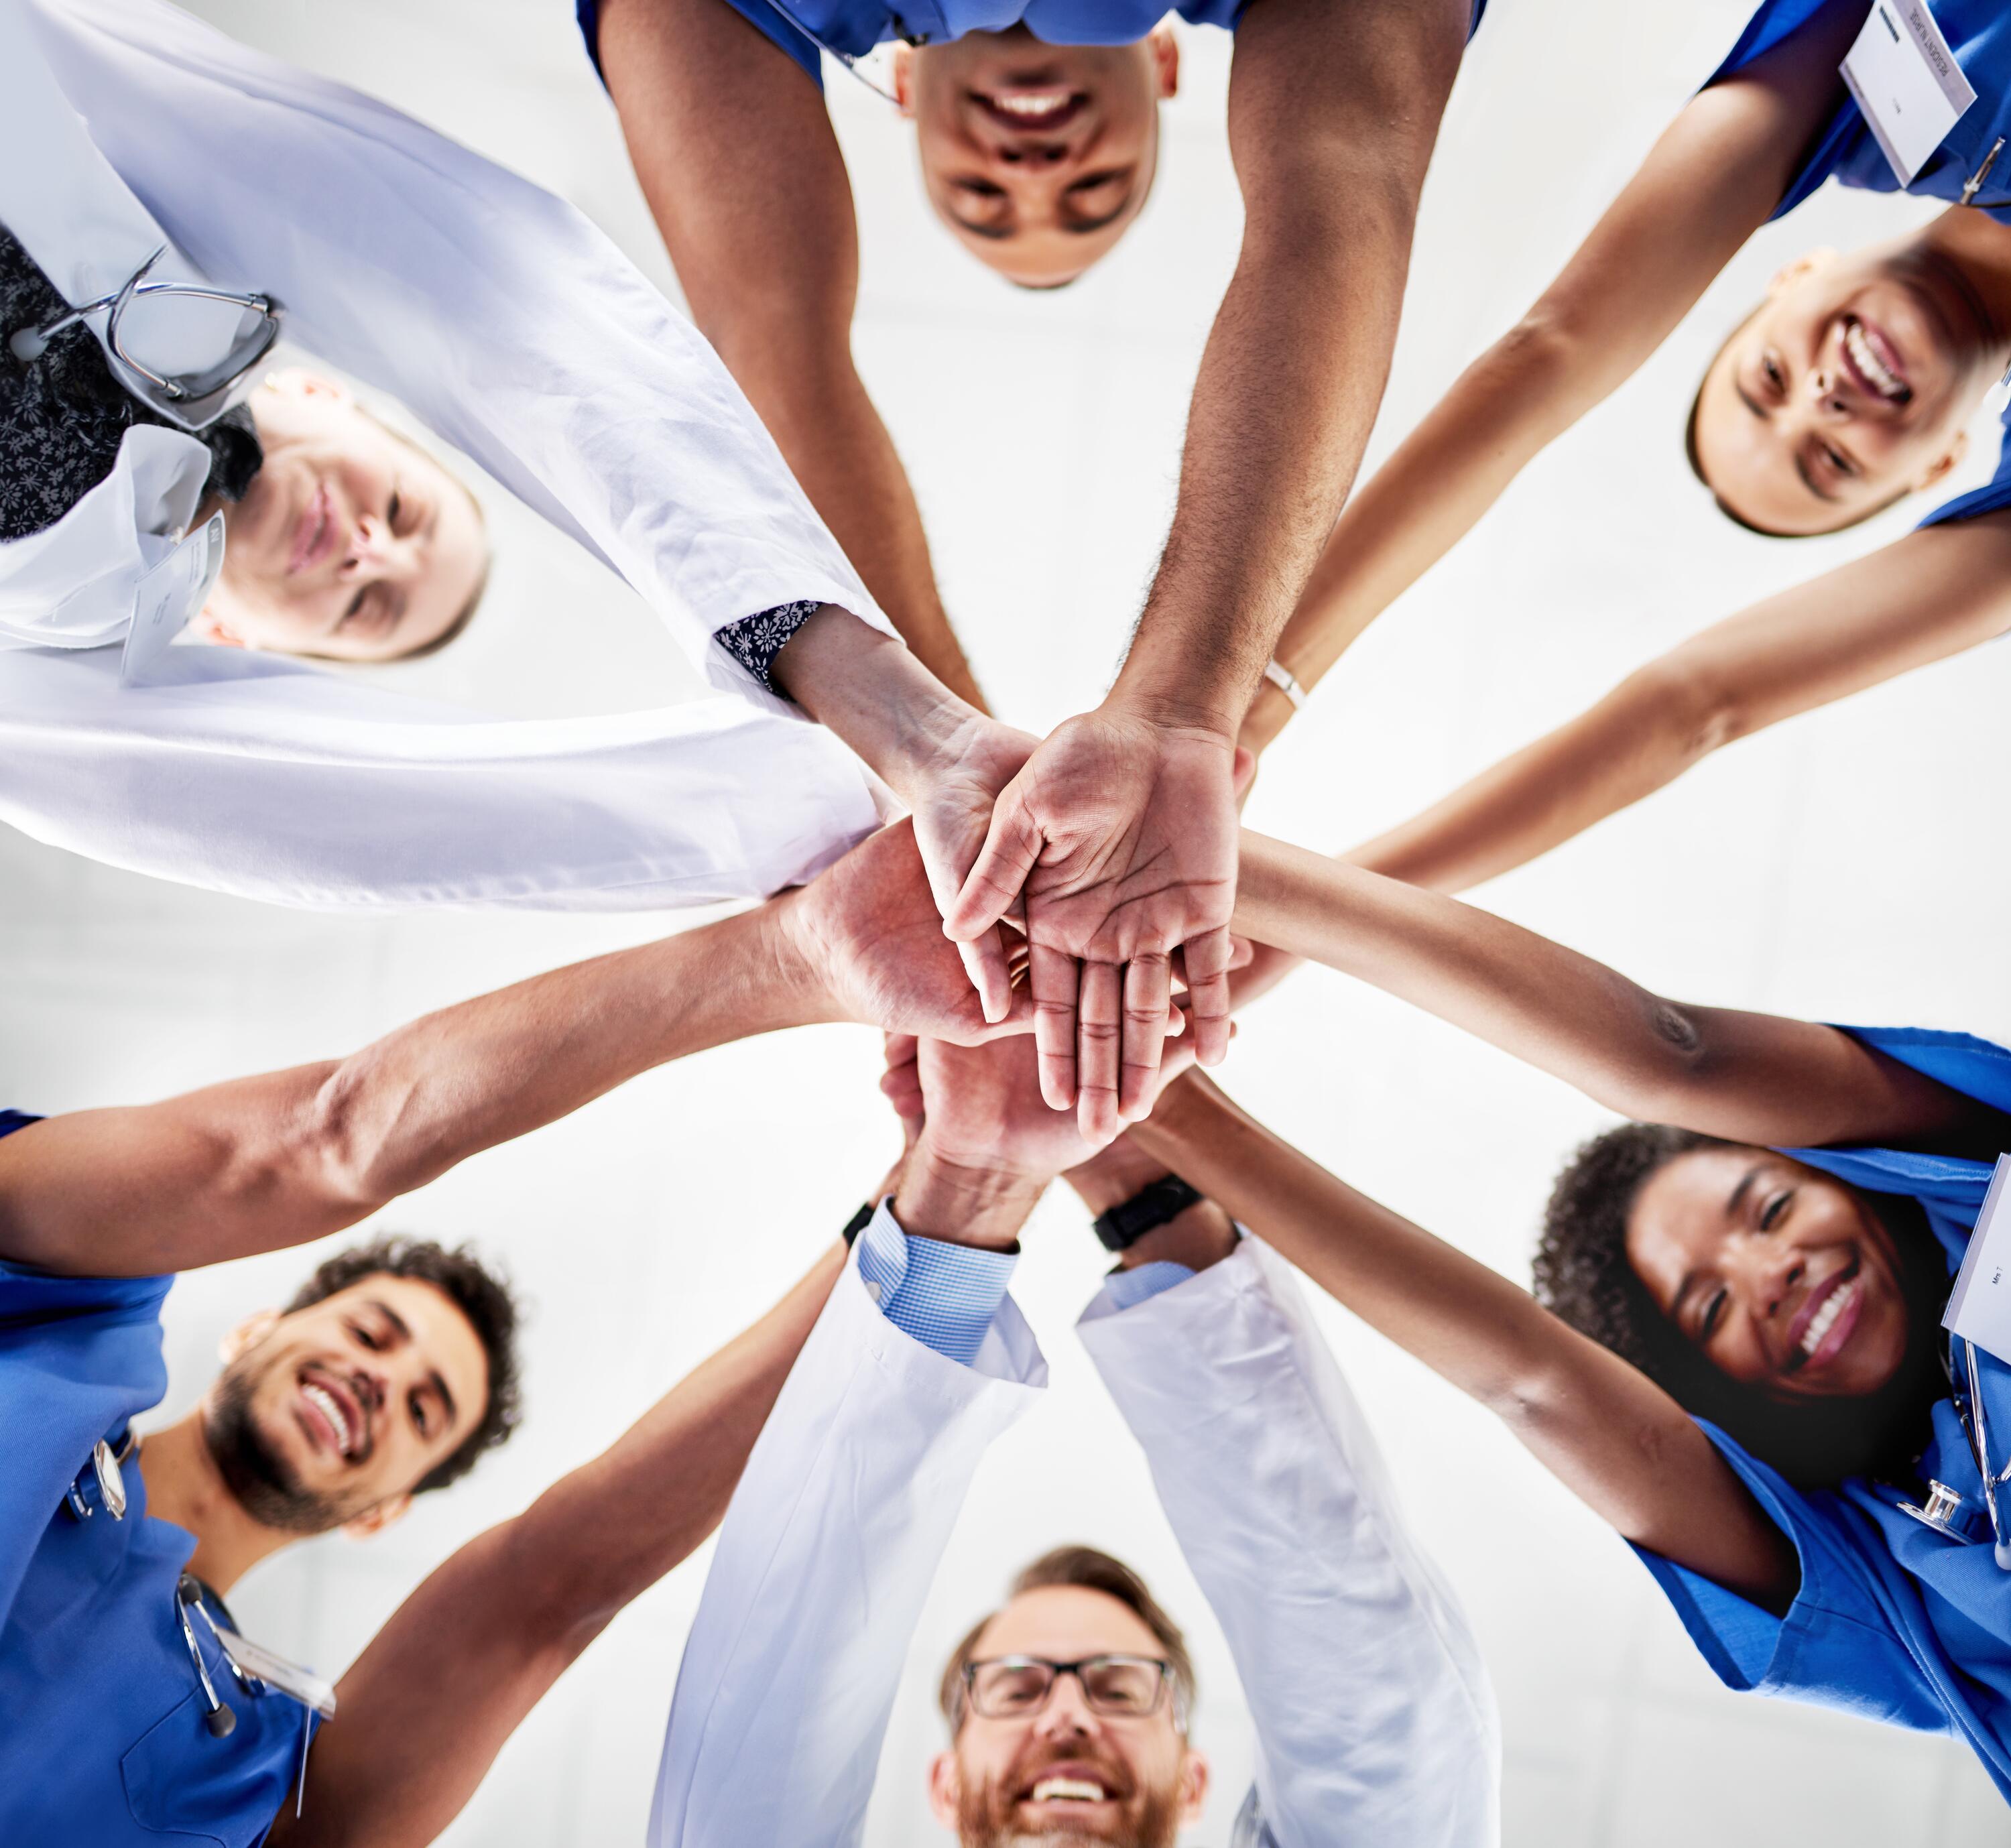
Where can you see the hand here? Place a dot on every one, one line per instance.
(868, 933)
(1261, 973)
(951, 796)
(1120, 836)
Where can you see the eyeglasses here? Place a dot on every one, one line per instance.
(189, 399)
(1015, 1687)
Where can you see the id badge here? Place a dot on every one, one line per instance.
(1907, 82)
(1979, 1308)
(289, 1679)
(169, 594)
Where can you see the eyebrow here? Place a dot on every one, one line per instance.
(1745, 1187)
(403, 1330)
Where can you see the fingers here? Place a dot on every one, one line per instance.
(984, 962)
(1051, 979)
(992, 888)
(1099, 1040)
(1148, 984)
(901, 1084)
(1208, 957)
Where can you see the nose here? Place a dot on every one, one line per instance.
(371, 1389)
(1826, 395)
(374, 548)
(1067, 1712)
(1766, 1271)
(1031, 156)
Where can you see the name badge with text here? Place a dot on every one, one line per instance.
(1907, 83)
(1979, 1309)
(169, 595)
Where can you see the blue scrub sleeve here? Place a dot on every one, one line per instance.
(1993, 497)
(757, 13)
(1840, 1644)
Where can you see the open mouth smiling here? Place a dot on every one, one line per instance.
(331, 1416)
(1874, 364)
(1032, 111)
(1825, 1319)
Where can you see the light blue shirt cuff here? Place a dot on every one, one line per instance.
(1127, 1289)
(945, 1296)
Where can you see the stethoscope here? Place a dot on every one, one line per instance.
(257, 1672)
(845, 57)
(1948, 1511)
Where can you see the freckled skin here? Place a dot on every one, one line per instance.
(1791, 1230)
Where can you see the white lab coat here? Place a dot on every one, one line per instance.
(1374, 1719)
(509, 325)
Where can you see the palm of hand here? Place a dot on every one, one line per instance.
(877, 935)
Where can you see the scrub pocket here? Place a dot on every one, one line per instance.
(182, 1784)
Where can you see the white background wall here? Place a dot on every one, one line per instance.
(1850, 866)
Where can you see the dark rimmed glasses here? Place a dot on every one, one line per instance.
(189, 399)
(1017, 1687)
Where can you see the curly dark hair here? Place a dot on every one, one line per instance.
(478, 1292)
(1584, 1275)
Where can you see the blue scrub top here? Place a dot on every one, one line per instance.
(103, 1743)
(1892, 1621)
(1979, 33)
(856, 26)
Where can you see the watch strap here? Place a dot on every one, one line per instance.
(1150, 1208)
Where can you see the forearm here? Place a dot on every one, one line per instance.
(440, 1689)
(1650, 729)
(1746, 1076)
(1606, 1431)
(1517, 397)
(1287, 391)
(838, 449)
(261, 1163)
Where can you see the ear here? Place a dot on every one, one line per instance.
(297, 382)
(1810, 263)
(1192, 1785)
(1166, 60)
(373, 1520)
(210, 626)
(1942, 464)
(904, 79)
(247, 1334)
(945, 1789)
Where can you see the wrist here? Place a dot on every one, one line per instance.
(791, 964)
(867, 687)
(1202, 1235)
(963, 1203)
(1195, 705)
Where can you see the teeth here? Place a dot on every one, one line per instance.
(1824, 1318)
(331, 1409)
(1888, 383)
(1032, 102)
(1067, 1790)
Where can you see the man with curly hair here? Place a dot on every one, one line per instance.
(133, 1710)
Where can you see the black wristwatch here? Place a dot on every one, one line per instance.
(858, 1224)
(1129, 1220)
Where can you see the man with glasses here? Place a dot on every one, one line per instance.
(1069, 1707)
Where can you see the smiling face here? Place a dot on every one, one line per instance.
(1782, 1278)
(1067, 1774)
(1846, 388)
(341, 1408)
(350, 543)
(1038, 157)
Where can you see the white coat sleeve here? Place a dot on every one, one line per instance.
(1376, 1720)
(497, 314)
(824, 1564)
(246, 774)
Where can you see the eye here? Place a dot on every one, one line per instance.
(391, 511)
(1770, 1214)
(421, 1418)
(365, 1336)
(355, 606)
(1838, 461)
(1773, 373)
(980, 189)
(1713, 1314)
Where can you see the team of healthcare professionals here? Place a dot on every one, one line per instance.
(1734, 1352)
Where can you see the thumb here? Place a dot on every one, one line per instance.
(1011, 850)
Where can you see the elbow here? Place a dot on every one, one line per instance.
(342, 1146)
(1683, 711)
(1671, 1068)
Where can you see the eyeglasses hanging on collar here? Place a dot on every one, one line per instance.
(191, 399)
